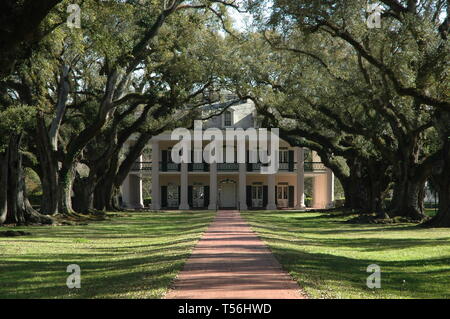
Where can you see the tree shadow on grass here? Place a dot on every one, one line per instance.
(399, 278)
(102, 275)
(302, 244)
(320, 221)
(133, 257)
(367, 244)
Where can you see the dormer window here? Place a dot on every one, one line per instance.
(228, 119)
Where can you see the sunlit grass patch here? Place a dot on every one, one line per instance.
(329, 258)
(134, 255)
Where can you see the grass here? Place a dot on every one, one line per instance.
(137, 255)
(430, 212)
(329, 258)
(134, 255)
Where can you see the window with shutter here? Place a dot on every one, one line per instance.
(228, 121)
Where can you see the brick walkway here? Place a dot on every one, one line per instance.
(230, 261)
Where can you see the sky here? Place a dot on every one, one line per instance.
(240, 19)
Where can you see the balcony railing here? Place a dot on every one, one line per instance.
(169, 167)
(226, 167)
(314, 167)
(198, 167)
(254, 167)
(284, 167)
(141, 166)
(163, 167)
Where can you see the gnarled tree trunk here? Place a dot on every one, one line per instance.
(48, 171)
(3, 186)
(442, 218)
(19, 209)
(408, 196)
(365, 187)
(65, 190)
(83, 189)
(105, 189)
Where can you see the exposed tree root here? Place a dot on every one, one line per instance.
(376, 219)
(13, 233)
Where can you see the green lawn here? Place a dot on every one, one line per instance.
(135, 255)
(329, 258)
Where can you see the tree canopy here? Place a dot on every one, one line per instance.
(372, 102)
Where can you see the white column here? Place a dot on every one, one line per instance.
(271, 205)
(139, 194)
(156, 200)
(242, 186)
(316, 192)
(184, 186)
(212, 186)
(126, 192)
(300, 178)
(330, 188)
(320, 191)
(135, 190)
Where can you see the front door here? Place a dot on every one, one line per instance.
(257, 196)
(198, 194)
(227, 195)
(282, 196)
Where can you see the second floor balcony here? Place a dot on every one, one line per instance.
(227, 167)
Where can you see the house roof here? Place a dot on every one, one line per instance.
(222, 105)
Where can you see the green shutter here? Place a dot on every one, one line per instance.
(163, 196)
(247, 160)
(190, 195)
(291, 196)
(164, 159)
(265, 195)
(276, 189)
(206, 201)
(249, 197)
(291, 161)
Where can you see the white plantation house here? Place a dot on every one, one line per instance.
(228, 185)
